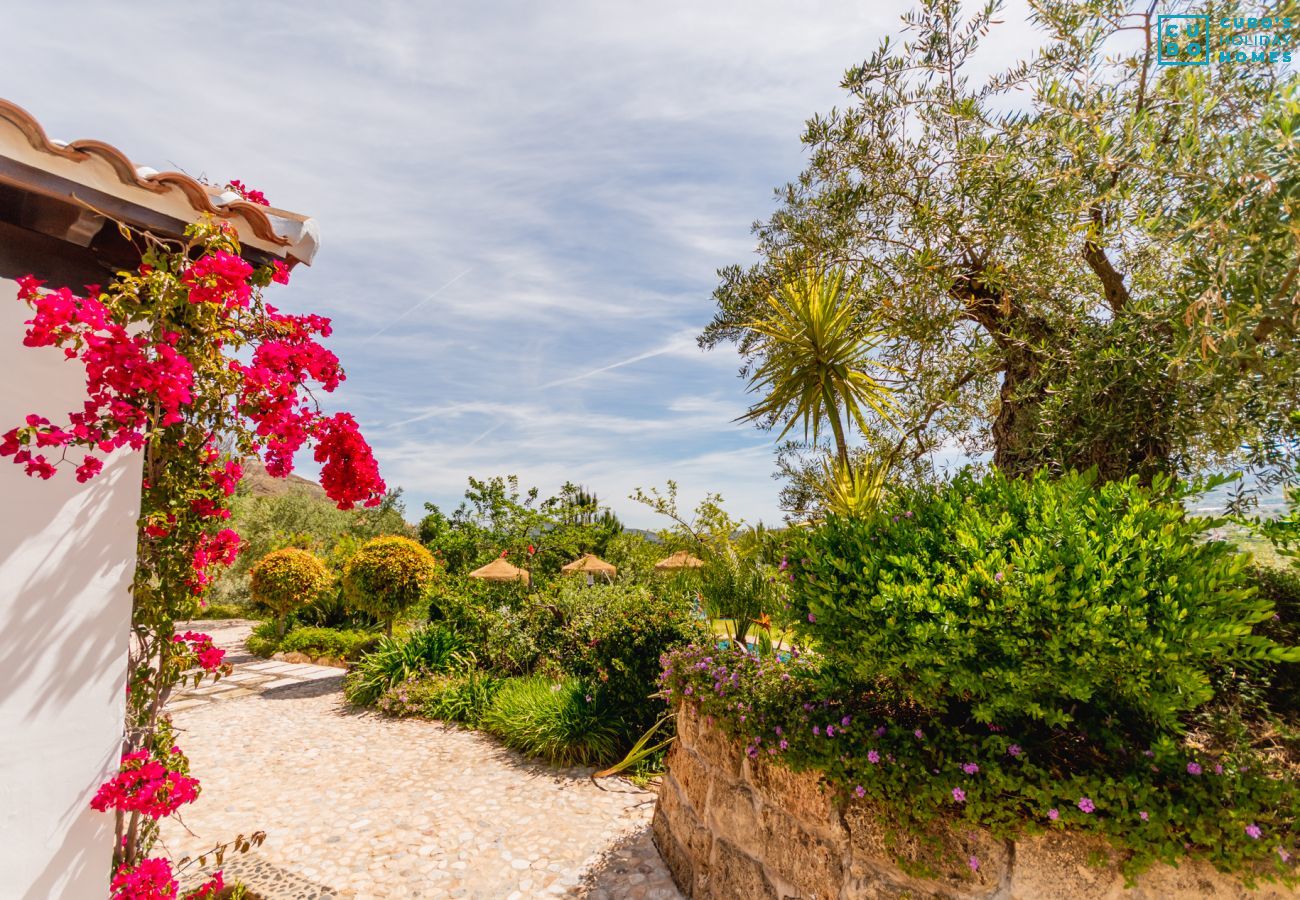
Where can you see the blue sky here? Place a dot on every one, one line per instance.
(522, 207)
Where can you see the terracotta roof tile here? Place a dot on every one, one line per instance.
(283, 233)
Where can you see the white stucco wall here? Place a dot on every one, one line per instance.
(67, 553)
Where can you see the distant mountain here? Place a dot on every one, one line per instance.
(260, 483)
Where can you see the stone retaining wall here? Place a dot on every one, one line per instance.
(728, 826)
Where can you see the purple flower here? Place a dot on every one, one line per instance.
(830, 731)
(844, 722)
(880, 732)
(997, 576)
(778, 730)
(873, 757)
(1218, 769)
(1053, 814)
(920, 735)
(785, 563)
(959, 795)
(817, 730)
(974, 863)
(784, 744)
(1253, 831)
(1193, 768)
(1143, 816)
(908, 514)
(811, 617)
(1283, 855)
(1086, 804)
(859, 792)
(1014, 750)
(970, 769)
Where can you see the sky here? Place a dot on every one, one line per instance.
(522, 206)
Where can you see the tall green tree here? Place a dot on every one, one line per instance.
(1085, 259)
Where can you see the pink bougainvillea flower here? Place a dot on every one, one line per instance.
(1254, 832)
(1193, 768)
(873, 757)
(859, 792)
(1053, 814)
(959, 795)
(970, 768)
(1086, 804)
(974, 863)
(1144, 816)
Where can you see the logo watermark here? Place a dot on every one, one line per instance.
(1186, 40)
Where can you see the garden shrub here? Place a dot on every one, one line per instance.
(225, 611)
(1065, 602)
(1024, 655)
(1221, 800)
(286, 580)
(430, 649)
(341, 644)
(388, 575)
(451, 697)
(1281, 586)
(264, 639)
(560, 721)
(616, 647)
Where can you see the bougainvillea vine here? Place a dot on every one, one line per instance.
(185, 362)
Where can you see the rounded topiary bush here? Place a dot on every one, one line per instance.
(387, 576)
(286, 580)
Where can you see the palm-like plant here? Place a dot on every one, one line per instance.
(815, 360)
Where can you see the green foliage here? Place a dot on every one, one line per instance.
(461, 696)
(304, 519)
(431, 649)
(287, 580)
(264, 640)
(226, 611)
(341, 644)
(497, 517)
(388, 575)
(1063, 602)
(1281, 587)
(560, 721)
(922, 774)
(616, 646)
(814, 350)
(1080, 258)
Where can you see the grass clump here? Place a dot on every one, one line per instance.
(558, 721)
(430, 649)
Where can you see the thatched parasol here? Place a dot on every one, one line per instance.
(679, 560)
(590, 566)
(500, 570)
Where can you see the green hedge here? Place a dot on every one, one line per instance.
(1030, 655)
(1061, 601)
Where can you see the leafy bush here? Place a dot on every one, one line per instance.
(1063, 602)
(454, 697)
(617, 644)
(1281, 586)
(560, 721)
(431, 649)
(340, 644)
(388, 575)
(264, 639)
(226, 611)
(286, 580)
(1217, 798)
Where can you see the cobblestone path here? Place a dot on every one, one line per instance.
(359, 806)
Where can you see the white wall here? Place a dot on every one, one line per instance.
(67, 554)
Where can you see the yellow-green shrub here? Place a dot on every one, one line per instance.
(388, 575)
(285, 580)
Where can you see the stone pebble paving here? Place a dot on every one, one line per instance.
(355, 805)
